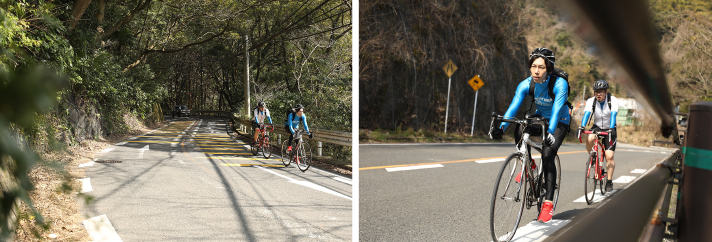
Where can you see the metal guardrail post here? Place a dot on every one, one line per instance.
(696, 210)
(318, 148)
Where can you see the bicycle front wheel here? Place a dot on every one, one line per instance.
(305, 156)
(255, 147)
(285, 155)
(604, 178)
(590, 185)
(266, 147)
(508, 199)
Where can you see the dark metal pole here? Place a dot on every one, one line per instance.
(696, 201)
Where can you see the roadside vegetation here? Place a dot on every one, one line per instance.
(405, 45)
(75, 75)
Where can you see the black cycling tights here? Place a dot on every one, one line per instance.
(291, 136)
(548, 153)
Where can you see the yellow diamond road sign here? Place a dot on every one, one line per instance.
(476, 82)
(449, 68)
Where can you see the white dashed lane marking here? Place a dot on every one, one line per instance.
(86, 185)
(413, 167)
(597, 197)
(640, 171)
(100, 229)
(624, 179)
(538, 231)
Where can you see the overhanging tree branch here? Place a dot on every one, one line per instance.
(128, 18)
(146, 52)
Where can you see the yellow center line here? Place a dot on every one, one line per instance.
(148, 141)
(226, 145)
(243, 165)
(213, 153)
(220, 149)
(233, 158)
(221, 142)
(454, 161)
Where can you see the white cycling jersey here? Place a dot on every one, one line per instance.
(602, 115)
(260, 116)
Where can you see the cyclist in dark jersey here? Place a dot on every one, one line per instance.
(548, 105)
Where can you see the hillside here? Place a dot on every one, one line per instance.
(404, 46)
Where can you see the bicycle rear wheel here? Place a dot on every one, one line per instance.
(590, 185)
(266, 147)
(305, 156)
(508, 199)
(285, 155)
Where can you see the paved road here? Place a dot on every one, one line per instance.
(191, 181)
(449, 198)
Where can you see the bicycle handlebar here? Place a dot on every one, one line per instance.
(593, 132)
(525, 121)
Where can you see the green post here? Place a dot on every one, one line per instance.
(696, 208)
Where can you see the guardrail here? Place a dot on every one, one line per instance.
(320, 135)
(326, 136)
(624, 216)
(203, 112)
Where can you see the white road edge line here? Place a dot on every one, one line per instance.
(624, 179)
(406, 168)
(91, 163)
(537, 231)
(86, 185)
(640, 171)
(308, 184)
(121, 143)
(347, 181)
(100, 229)
(597, 197)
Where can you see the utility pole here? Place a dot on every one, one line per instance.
(583, 98)
(247, 76)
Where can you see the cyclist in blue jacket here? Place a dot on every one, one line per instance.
(293, 121)
(548, 105)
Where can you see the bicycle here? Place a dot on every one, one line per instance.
(301, 152)
(263, 143)
(594, 167)
(508, 192)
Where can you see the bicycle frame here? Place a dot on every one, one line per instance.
(600, 152)
(522, 149)
(263, 133)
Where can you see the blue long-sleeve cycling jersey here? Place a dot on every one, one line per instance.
(546, 106)
(294, 120)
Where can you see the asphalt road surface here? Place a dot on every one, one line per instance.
(192, 181)
(442, 192)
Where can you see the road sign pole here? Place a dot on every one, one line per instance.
(474, 112)
(447, 106)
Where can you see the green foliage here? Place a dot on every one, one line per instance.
(26, 90)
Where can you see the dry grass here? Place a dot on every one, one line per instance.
(61, 209)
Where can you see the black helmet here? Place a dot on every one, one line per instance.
(299, 106)
(543, 52)
(261, 104)
(600, 84)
